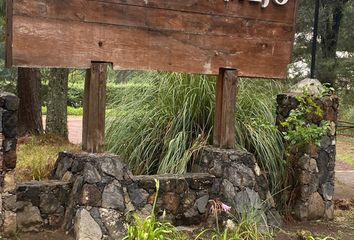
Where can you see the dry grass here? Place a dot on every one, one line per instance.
(345, 149)
(36, 156)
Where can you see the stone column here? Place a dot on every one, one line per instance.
(312, 167)
(8, 140)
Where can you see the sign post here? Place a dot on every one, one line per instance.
(190, 36)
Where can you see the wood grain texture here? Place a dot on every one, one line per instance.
(193, 36)
(224, 126)
(94, 108)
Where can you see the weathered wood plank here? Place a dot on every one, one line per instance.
(94, 108)
(224, 126)
(8, 37)
(132, 48)
(156, 19)
(240, 8)
(193, 36)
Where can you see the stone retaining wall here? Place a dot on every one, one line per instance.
(239, 182)
(8, 141)
(313, 166)
(105, 195)
(41, 205)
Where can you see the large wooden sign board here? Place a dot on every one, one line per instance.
(192, 36)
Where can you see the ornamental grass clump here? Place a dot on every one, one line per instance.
(158, 129)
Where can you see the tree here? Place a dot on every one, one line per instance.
(28, 90)
(56, 121)
(332, 16)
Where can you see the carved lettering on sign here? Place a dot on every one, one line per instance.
(265, 3)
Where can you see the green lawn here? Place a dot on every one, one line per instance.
(345, 149)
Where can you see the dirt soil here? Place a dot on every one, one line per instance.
(45, 235)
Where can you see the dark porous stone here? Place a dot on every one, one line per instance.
(112, 196)
(10, 159)
(201, 203)
(63, 165)
(1, 111)
(91, 175)
(9, 144)
(181, 186)
(77, 166)
(241, 176)
(113, 167)
(171, 202)
(96, 215)
(9, 101)
(28, 192)
(29, 219)
(113, 221)
(228, 190)
(90, 196)
(9, 124)
(188, 199)
(327, 190)
(190, 217)
(322, 163)
(199, 183)
(9, 202)
(137, 195)
(49, 203)
(316, 207)
(326, 142)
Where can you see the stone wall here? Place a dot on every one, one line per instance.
(8, 140)
(41, 205)
(312, 166)
(105, 195)
(239, 182)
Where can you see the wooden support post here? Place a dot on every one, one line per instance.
(94, 108)
(224, 127)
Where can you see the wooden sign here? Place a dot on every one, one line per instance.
(192, 36)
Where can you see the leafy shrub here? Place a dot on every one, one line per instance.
(301, 131)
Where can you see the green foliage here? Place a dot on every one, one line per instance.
(159, 127)
(71, 111)
(301, 131)
(306, 235)
(248, 226)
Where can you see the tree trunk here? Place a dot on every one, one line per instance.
(333, 12)
(57, 102)
(28, 90)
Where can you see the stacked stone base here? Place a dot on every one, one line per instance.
(105, 195)
(312, 183)
(8, 141)
(95, 196)
(41, 205)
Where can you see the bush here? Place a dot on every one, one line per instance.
(158, 128)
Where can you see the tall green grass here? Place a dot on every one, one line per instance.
(158, 129)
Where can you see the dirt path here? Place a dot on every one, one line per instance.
(74, 128)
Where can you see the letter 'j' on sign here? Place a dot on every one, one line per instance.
(192, 36)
